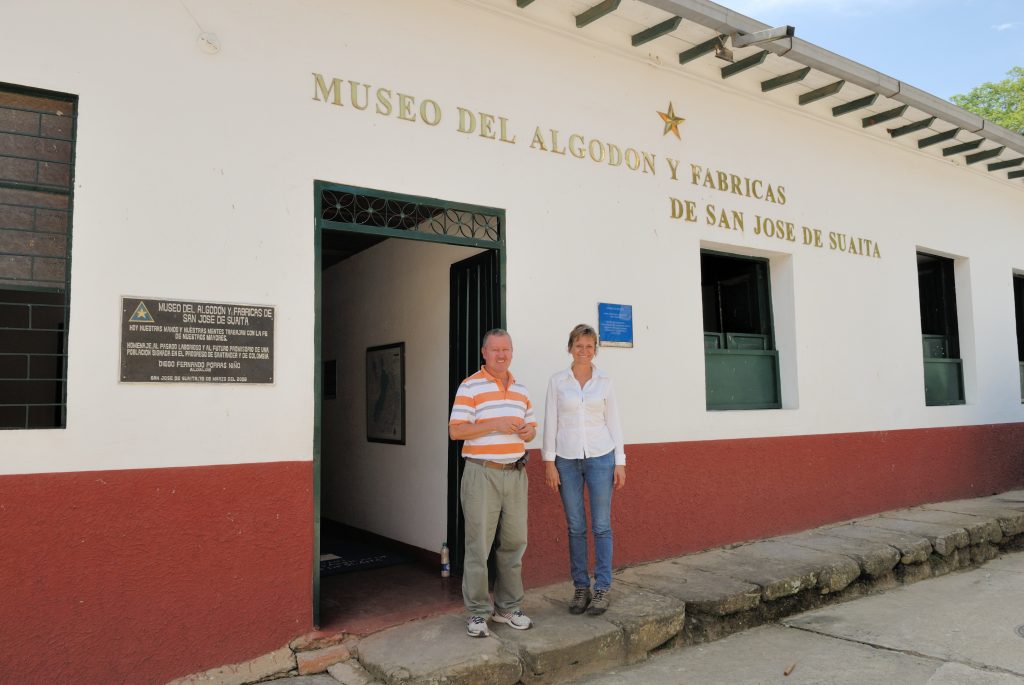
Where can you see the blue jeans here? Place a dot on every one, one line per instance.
(598, 475)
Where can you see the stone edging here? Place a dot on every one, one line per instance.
(672, 603)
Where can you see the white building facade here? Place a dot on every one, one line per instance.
(801, 243)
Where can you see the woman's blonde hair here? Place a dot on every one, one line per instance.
(579, 331)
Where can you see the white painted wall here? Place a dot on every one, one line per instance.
(194, 181)
(396, 291)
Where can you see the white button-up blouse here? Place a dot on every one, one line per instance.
(580, 423)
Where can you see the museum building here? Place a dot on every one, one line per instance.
(247, 252)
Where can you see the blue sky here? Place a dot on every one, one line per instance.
(944, 47)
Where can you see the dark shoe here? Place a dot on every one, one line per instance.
(580, 600)
(599, 604)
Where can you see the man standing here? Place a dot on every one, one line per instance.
(493, 415)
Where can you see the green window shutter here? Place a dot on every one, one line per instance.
(741, 366)
(940, 339)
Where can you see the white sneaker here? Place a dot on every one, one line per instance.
(516, 619)
(476, 626)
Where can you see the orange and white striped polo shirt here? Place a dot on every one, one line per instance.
(481, 398)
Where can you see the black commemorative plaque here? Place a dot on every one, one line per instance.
(181, 341)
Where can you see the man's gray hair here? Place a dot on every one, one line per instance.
(500, 332)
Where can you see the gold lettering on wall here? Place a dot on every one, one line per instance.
(773, 229)
(765, 225)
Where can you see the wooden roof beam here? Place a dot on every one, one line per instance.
(656, 31)
(596, 12)
(1005, 164)
(854, 105)
(744, 64)
(785, 79)
(701, 49)
(984, 154)
(884, 116)
(911, 128)
(937, 138)
(962, 147)
(821, 93)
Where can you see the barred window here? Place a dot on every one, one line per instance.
(37, 151)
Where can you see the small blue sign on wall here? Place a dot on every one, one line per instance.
(615, 324)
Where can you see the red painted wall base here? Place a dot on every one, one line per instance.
(141, 576)
(688, 496)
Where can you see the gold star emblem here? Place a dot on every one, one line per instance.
(671, 121)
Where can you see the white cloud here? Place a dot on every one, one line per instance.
(1008, 26)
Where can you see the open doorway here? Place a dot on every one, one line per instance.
(406, 287)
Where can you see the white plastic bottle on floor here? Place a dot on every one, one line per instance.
(446, 567)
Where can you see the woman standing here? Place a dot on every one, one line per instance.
(583, 449)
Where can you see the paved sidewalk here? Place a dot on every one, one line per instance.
(965, 628)
(680, 602)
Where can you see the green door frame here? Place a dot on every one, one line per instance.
(320, 225)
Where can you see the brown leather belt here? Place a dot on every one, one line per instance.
(495, 464)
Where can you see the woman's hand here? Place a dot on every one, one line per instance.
(551, 476)
(620, 477)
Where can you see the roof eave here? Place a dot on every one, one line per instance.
(726, 21)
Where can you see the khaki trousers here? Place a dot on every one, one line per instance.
(493, 500)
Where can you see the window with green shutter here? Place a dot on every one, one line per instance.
(940, 337)
(741, 364)
(1018, 306)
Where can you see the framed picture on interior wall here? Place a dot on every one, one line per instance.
(385, 393)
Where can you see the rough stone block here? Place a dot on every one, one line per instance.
(913, 549)
(703, 592)
(437, 651)
(647, 619)
(1014, 498)
(945, 538)
(316, 640)
(317, 660)
(276, 663)
(982, 553)
(913, 573)
(779, 569)
(979, 528)
(775, 577)
(561, 646)
(1011, 520)
(351, 673)
(866, 586)
(352, 642)
(302, 680)
(835, 570)
(874, 558)
(941, 565)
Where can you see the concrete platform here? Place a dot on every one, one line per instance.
(696, 599)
